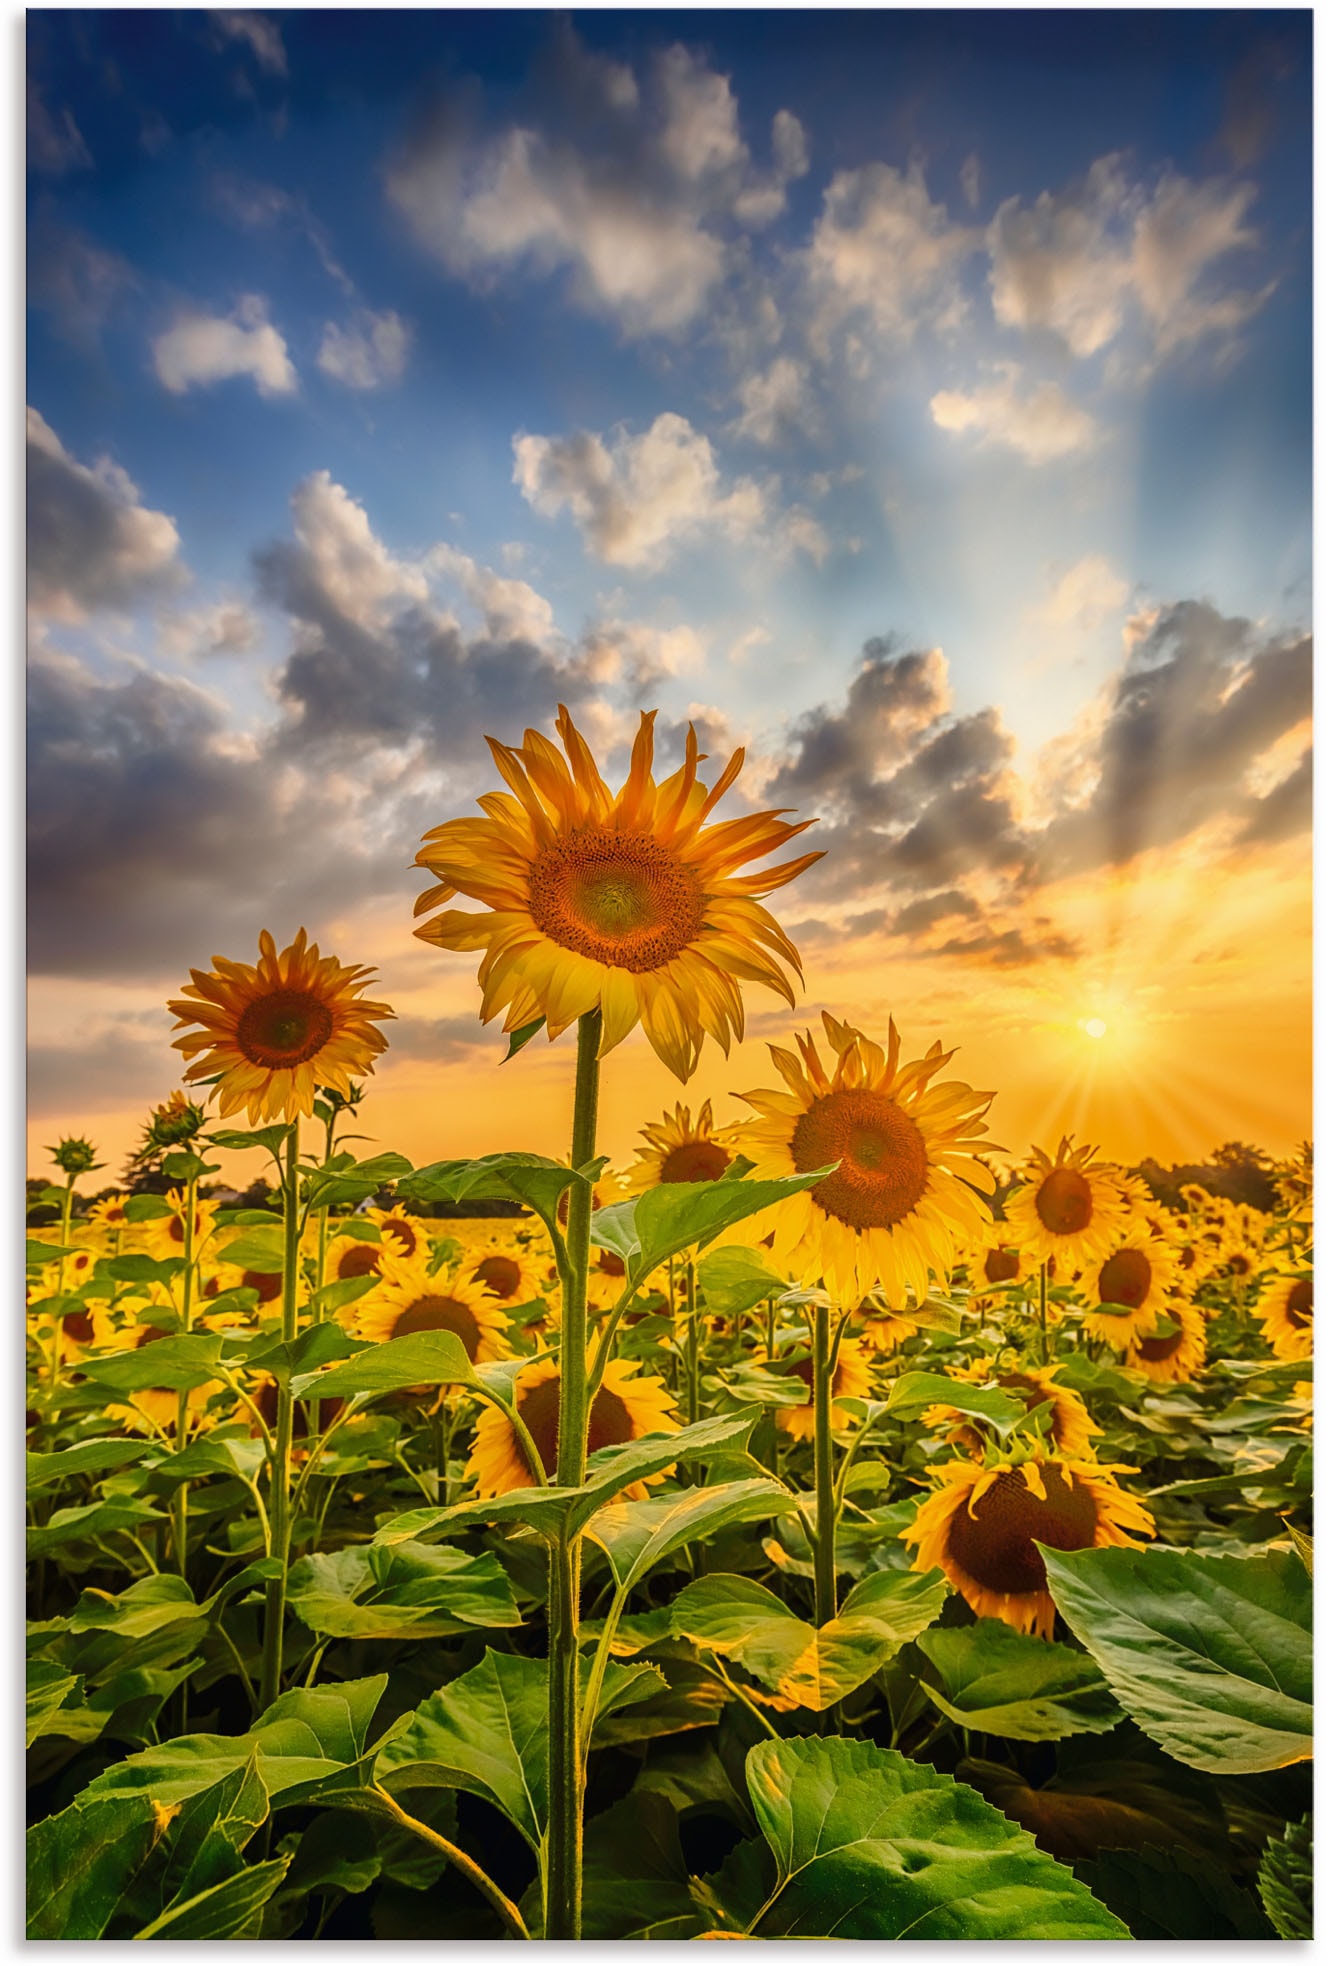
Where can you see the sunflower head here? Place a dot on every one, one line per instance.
(626, 1407)
(109, 1214)
(174, 1123)
(272, 1033)
(878, 1327)
(408, 1299)
(628, 902)
(507, 1271)
(1072, 1208)
(902, 1193)
(74, 1155)
(402, 1232)
(680, 1148)
(1286, 1312)
(1124, 1293)
(983, 1524)
(167, 1232)
(1177, 1355)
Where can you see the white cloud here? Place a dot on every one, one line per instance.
(882, 248)
(1084, 262)
(512, 609)
(630, 190)
(636, 498)
(351, 565)
(202, 349)
(1041, 426)
(776, 402)
(799, 532)
(227, 628)
(91, 544)
(640, 654)
(259, 33)
(369, 352)
(1085, 594)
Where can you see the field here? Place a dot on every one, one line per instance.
(804, 1719)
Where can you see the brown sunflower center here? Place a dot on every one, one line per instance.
(995, 1543)
(1000, 1266)
(500, 1275)
(359, 1260)
(882, 1172)
(266, 1282)
(1189, 1256)
(404, 1232)
(1125, 1278)
(610, 1420)
(1240, 1264)
(619, 898)
(1154, 1349)
(1064, 1202)
(1300, 1304)
(79, 1326)
(609, 1264)
(284, 1028)
(695, 1160)
(439, 1313)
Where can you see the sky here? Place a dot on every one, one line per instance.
(920, 400)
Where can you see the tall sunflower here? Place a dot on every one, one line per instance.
(628, 902)
(902, 1195)
(1177, 1356)
(408, 1299)
(277, 1030)
(982, 1526)
(624, 1408)
(1286, 1311)
(680, 1148)
(1070, 1209)
(1138, 1275)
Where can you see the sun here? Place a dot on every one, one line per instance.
(1095, 1027)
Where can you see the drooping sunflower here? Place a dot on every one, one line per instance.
(507, 1272)
(408, 1299)
(625, 1408)
(680, 1148)
(1139, 1274)
(1180, 1354)
(1070, 1209)
(278, 1030)
(1071, 1430)
(902, 1195)
(852, 1381)
(982, 1525)
(628, 902)
(1286, 1311)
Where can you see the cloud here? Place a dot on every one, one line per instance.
(1084, 594)
(91, 543)
(259, 33)
(511, 608)
(1041, 426)
(635, 499)
(55, 142)
(253, 206)
(226, 628)
(776, 403)
(641, 654)
(200, 349)
(883, 249)
(1083, 263)
(632, 186)
(366, 354)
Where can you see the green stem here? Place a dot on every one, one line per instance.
(562, 1879)
(769, 1328)
(506, 1910)
(693, 1349)
(823, 1369)
(279, 1496)
(57, 1338)
(1042, 1314)
(180, 1501)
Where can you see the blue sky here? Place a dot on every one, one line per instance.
(395, 373)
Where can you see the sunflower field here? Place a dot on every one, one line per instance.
(825, 1526)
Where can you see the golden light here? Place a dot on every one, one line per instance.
(1095, 1027)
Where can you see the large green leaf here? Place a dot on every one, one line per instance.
(635, 1879)
(228, 1910)
(530, 1179)
(741, 1620)
(635, 1536)
(48, 1687)
(1211, 1655)
(91, 1519)
(1286, 1881)
(178, 1364)
(864, 1844)
(682, 1215)
(423, 1358)
(913, 1392)
(412, 1590)
(344, 1179)
(1173, 1894)
(734, 1280)
(992, 1679)
(87, 1457)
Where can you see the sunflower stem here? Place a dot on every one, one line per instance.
(693, 1349)
(279, 1497)
(180, 1504)
(1042, 1314)
(562, 1878)
(825, 1569)
(770, 1328)
(57, 1339)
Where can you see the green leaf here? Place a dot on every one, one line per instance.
(913, 1391)
(87, 1457)
(1211, 1655)
(1286, 1880)
(995, 1680)
(224, 1911)
(41, 1253)
(92, 1519)
(147, 1208)
(177, 1363)
(531, 1179)
(49, 1686)
(271, 1138)
(635, 1877)
(200, 1849)
(143, 1608)
(682, 1215)
(136, 1268)
(415, 1590)
(259, 1250)
(1173, 1894)
(635, 1536)
(742, 1620)
(519, 1039)
(1304, 1545)
(424, 1358)
(347, 1180)
(868, 1845)
(734, 1280)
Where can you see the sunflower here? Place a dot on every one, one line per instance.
(624, 1408)
(680, 1148)
(1070, 1209)
(508, 1272)
(878, 1327)
(852, 1381)
(1177, 1356)
(166, 1232)
(902, 1195)
(1071, 1430)
(983, 1523)
(992, 1262)
(629, 903)
(266, 1285)
(273, 1033)
(1138, 1274)
(71, 1271)
(109, 1215)
(405, 1231)
(354, 1256)
(408, 1299)
(1286, 1311)
(1239, 1256)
